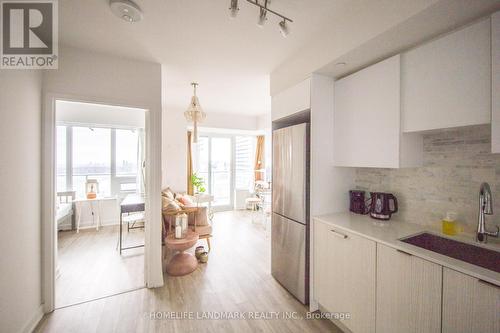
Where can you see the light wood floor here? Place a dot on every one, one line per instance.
(90, 267)
(237, 278)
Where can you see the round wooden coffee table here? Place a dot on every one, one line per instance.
(182, 263)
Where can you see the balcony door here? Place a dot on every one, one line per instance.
(214, 165)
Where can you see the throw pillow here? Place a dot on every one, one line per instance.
(169, 204)
(168, 193)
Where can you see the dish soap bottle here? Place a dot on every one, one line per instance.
(450, 224)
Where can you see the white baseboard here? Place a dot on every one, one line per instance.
(33, 322)
(89, 224)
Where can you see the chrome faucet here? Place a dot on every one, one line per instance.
(485, 208)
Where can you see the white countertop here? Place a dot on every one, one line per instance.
(389, 233)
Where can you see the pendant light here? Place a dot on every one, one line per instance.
(194, 113)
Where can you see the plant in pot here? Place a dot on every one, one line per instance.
(198, 183)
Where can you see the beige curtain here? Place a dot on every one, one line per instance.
(190, 189)
(259, 158)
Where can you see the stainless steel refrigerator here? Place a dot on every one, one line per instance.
(290, 205)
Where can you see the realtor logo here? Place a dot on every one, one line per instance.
(29, 34)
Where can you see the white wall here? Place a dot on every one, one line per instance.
(231, 121)
(264, 124)
(20, 240)
(174, 149)
(99, 114)
(100, 78)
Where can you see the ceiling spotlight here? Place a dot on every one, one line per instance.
(262, 17)
(126, 10)
(284, 29)
(233, 10)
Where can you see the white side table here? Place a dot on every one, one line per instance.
(79, 203)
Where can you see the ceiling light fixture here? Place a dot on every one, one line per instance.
(284, 28)
(262, 17)
(233, 9)
(126, 10)
(283, 25)
(194, 113)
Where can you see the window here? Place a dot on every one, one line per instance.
(61, 158)
(226, 163)
(92, 158)
(126, 152)
(106, 154)
(244, 162)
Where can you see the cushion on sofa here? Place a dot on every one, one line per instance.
(201, 217)
(168, 193)
(169, 204)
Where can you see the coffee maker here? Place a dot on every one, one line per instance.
(357, 203)
(383, 205)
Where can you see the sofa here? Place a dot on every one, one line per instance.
(175, 203)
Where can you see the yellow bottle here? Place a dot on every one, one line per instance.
(450, 224)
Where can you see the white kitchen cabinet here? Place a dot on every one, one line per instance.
(469, 304)
(408, 293)
(292, 100)
(495, 82)
(447, 82)
(345, 275)
(367, 122)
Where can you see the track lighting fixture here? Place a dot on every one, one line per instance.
(233, 9)
(263, 9)
(284, 29)
(262, 17)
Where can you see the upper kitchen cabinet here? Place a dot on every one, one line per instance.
(447, 82)
(367, 123)
(292, 100)
(495, 82)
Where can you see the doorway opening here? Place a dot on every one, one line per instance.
(100, 213)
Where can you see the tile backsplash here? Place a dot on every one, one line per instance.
(456, 162)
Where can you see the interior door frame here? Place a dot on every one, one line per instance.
(153, 273)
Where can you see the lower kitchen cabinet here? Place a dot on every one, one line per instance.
(408, 293)
(344, 275)
(469, 304)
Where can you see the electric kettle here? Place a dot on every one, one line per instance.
(383, 205)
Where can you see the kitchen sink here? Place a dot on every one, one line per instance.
(469, 253)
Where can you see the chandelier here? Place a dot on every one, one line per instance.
(194, 113)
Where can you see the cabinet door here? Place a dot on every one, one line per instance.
(367, 117)
(347, 277)
(447, 82)
(322, 263)
(469, 305)
(495, 82)
(408, 293)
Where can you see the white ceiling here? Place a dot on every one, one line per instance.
(196, 40)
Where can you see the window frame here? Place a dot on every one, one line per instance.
(116, 181)
(232, 137)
